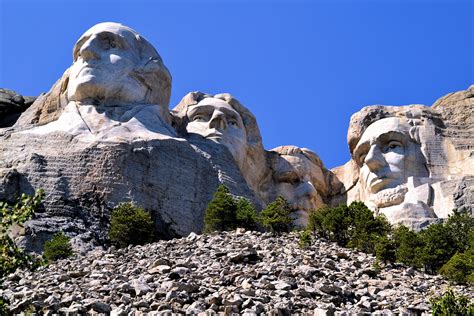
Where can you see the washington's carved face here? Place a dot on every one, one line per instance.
(216, 120)
(387, 157)
(297, 179)
(104, 59)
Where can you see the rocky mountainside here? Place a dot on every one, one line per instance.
(232, 272)
(12, 105)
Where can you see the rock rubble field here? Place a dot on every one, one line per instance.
(240, 272)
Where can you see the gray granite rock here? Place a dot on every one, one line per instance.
(286, 280)
(12, 105)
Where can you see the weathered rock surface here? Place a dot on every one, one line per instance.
(12, 105)
(231, 272)
(173, 179)
(102, 136)
(413, 163)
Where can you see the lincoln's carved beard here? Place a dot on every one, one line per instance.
(389, 197)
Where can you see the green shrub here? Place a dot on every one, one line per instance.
(59, 247)
(305, 239)
(276, 216)
(364, 230)
(408, 246)
(452, 304)
(385, 249)
(437, 248)
(221, 212)
(331, 223)
(224, 212)
(461, 228)
(130, 225)
(350, 226)
(246, 215)
(460, 268)
(12, 256)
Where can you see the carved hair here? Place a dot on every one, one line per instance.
(414, 115)
(293, 151)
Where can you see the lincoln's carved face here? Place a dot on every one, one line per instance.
(297, 179)
(387, 157)
(216, 120)
(104, 59)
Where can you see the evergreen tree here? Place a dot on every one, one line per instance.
(221, 212)
(438, 247)
(408, 246)
(364, 229)
(460, 268)
(246, 215)
(130, 225)
(276, 217)
(461, 228)
(385, 249)
(59, 247)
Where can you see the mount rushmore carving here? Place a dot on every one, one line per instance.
(104, 134)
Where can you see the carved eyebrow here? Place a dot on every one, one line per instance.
(102, 35)
(360, 150)
(210, 108)
(392, 135)
(79, 45)
(194, 109)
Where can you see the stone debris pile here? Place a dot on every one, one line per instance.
(231, 272)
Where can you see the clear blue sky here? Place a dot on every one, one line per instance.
(302, 67)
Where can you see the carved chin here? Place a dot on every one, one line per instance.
(389, 197)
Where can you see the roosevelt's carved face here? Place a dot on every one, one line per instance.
(387, 157)
(216, 120)
(297, 179)
(104, 60)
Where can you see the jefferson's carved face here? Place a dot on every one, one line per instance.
(104, 59)
(387, 157)
(297, 179)
(216, 120)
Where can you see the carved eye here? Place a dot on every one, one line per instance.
(112, 44)
(361, 159)
(233, 123)
(289, 177)
(199, 118)
(393, 146)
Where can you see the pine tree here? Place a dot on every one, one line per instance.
(246, 215)
(221, 211)
(276, 217)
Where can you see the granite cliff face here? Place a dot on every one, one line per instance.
(414, 163)
(12, 105)
(104, 134)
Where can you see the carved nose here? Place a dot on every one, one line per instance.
(88, 50)
(305, 188)
(218, 120)
(374, 159)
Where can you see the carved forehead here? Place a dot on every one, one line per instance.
(382, 127)
(115, 28)
(297, 162)
(213, 103)
(110, 27)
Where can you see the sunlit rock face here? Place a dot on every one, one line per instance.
(223, 120)
(117, 89)
(299, 176)
(103, 135)
(402, 164)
